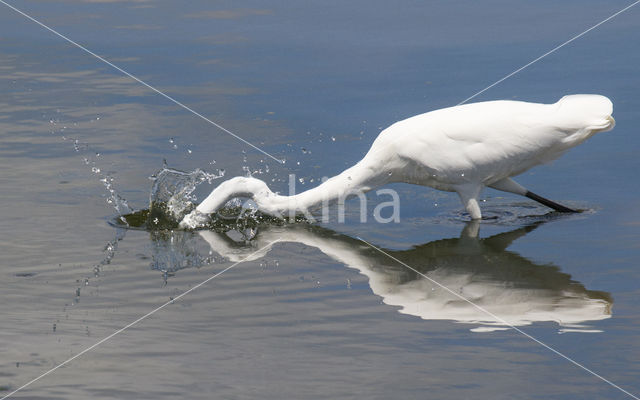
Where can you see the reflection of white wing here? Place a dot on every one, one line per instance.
(516, 305)
(506, 285)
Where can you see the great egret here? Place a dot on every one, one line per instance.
(460, 149)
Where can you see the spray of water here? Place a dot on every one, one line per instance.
(90, 158)
(172, 195)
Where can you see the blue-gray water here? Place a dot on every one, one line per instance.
(319, 315)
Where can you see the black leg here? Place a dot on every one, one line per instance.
(549, 203)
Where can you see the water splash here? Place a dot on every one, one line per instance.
(110, 249)
(172, 194)
(118, 202)
(114, 199)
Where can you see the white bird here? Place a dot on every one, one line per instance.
(460, 149)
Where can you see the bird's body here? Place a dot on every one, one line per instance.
(459, 149)
(485, 142)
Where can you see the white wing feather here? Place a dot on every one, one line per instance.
(496, 139)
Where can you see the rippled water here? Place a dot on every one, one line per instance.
(318, 314)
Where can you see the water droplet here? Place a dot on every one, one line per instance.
(333, 138)
(301, 180)
(189, 151)
(171, 140)
(54, 327)
(390, 173)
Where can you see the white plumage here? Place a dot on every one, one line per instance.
(461, 149)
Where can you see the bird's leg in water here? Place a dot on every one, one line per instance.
(469, 196)
(511, 186)
(549, 203)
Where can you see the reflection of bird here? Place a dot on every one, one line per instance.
(504, 283)
(460, 149)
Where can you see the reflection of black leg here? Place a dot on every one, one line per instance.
(549, 203)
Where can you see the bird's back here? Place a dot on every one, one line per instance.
(495, 139)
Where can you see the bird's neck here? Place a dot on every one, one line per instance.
(353, 181)
(358, 179)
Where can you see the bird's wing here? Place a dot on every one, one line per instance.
(469, 137)
(498, 137)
